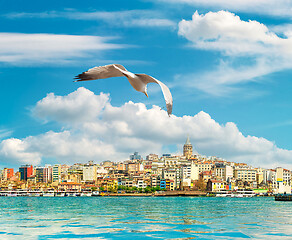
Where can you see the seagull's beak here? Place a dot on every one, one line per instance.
(146, 94)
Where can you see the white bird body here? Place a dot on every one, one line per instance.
(138, 81)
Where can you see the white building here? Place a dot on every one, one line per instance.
(223, 171)
(282, 181)
(89, 173)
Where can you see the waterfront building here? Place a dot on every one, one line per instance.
(135, 156)
(155, 180)
(162, 184)
(56, 173)
(169, 185)
(223, 171)
(188, 149)
(69, 186)
(245, 174)
(133, 168)
(43, 174)
(194, 170)
(141, 184)
(25, 172)
(170, 161)
(121, 167)
(157, 167)
(89, 173)
(186, 173)
(147, 165)
(260, 177)
(215, 185)
(75, 173)
(39, 174)
(281, 181)
(7, 173)
(173, 174)
(48, 173)
(31, 179)
(152, 157)
(111, 184)
(206, 175)
(199, 166)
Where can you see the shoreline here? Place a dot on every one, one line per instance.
(157, 194)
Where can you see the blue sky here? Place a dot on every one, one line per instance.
(228, 65)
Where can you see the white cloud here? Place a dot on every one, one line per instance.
(228, 80)
(14, 150)
(79, 106)
(279, 8)
(115, 132)
(21, 48)
(224, 31)
(236, 39)
(128, 18)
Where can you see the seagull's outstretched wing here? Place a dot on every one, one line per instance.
(165, 90)
(100, 73)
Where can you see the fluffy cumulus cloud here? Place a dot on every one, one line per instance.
(249, 49)
(16, 150)
(224, 31)
(113, 133)
(79, 106)
(20, 48)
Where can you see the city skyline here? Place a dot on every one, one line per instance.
(188, 172)
(230, 81)
(187, 153)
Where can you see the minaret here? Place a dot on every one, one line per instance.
(188, 149)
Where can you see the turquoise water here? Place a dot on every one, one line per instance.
(144, 218)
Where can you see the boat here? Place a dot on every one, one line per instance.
(71, 194)
(246, 192)
(86, 193)
(49, 193)
(60, 194)
(34, 193)
(95, 194)
(240, 193)
(2, 193)
(283, 197)
(22, 193)
(223, 193)
(11, 193)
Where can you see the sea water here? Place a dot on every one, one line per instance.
(144, 218)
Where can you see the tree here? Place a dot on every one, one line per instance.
(148, 189)
(201, 185)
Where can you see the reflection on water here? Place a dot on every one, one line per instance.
(144, 218)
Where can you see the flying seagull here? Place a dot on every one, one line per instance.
(138, 81)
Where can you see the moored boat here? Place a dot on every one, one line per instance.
(60, 194)
(283, 197)
(95, 194)
(86, 193)
(49, 193)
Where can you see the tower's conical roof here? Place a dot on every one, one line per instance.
(188, 142)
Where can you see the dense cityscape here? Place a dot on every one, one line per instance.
(189, 172)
